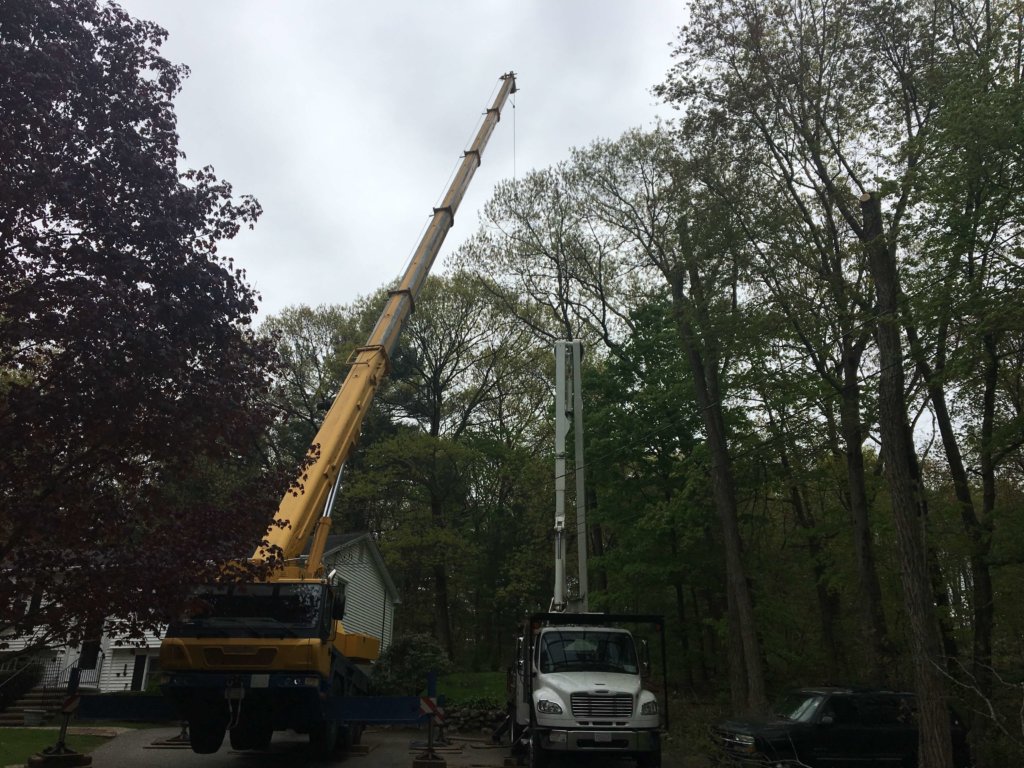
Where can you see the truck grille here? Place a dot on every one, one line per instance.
(590, 706)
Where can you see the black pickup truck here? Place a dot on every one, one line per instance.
(819, 727)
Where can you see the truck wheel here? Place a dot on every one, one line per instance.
(649, 759)
(349, 735)
(251, 737)
(205, 736)
(323, 738)
(262, 738)
(240, 738)
(536, 757)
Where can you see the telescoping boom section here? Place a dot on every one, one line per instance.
(252, 658)
(308, 513)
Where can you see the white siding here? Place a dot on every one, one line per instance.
(17, 642)
(117, 663)
(368, 609)
(119, 666)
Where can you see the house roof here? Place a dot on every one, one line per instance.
(340, 541)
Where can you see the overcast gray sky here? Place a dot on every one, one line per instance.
(346, 119)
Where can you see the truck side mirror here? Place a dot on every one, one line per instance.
(645, 658)
(338, 604)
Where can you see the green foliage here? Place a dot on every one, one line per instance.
(403, 667)
(474, 690)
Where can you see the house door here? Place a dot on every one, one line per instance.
(139, 672)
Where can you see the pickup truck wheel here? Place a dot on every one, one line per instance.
(536, 757)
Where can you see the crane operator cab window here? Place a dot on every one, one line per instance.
(253, 610)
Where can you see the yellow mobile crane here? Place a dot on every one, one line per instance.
(260, 657)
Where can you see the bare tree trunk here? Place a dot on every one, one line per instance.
(934, 745)
(880, 651)
(739, 690)
(977, 532)
(442, 614)
(741, 603)
(828, 600)
(707, 647)
(442, 617)
(684, 632)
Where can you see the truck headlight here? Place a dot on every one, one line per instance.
(746, 743)
(548, 707)
(649, 708)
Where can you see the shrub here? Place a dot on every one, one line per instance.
(403, 667)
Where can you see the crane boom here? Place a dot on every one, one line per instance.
(306, 512)
(254, 657)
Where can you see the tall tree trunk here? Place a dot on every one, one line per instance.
(677, 587)
(442, 614)
(977, 531)
(709, 401)
(707, 646)
(828, 600)
(880, 650)
(934, 745)
(684, 632)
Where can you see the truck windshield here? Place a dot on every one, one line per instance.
(254, 610)
(797, 706)
(596, 650)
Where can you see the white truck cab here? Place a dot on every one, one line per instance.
(578, 687)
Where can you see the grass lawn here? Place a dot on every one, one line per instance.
(462, 687)
(17, 744)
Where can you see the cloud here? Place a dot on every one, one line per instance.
(346, 119)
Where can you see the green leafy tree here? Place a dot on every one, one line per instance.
(842, 104)
(648, 470)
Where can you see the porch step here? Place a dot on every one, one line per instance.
(49, 700)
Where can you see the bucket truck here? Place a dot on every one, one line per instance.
(269, 655)
(577, 682)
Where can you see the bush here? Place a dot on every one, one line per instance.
(475, 690)
(15, 683)
(403, 667)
